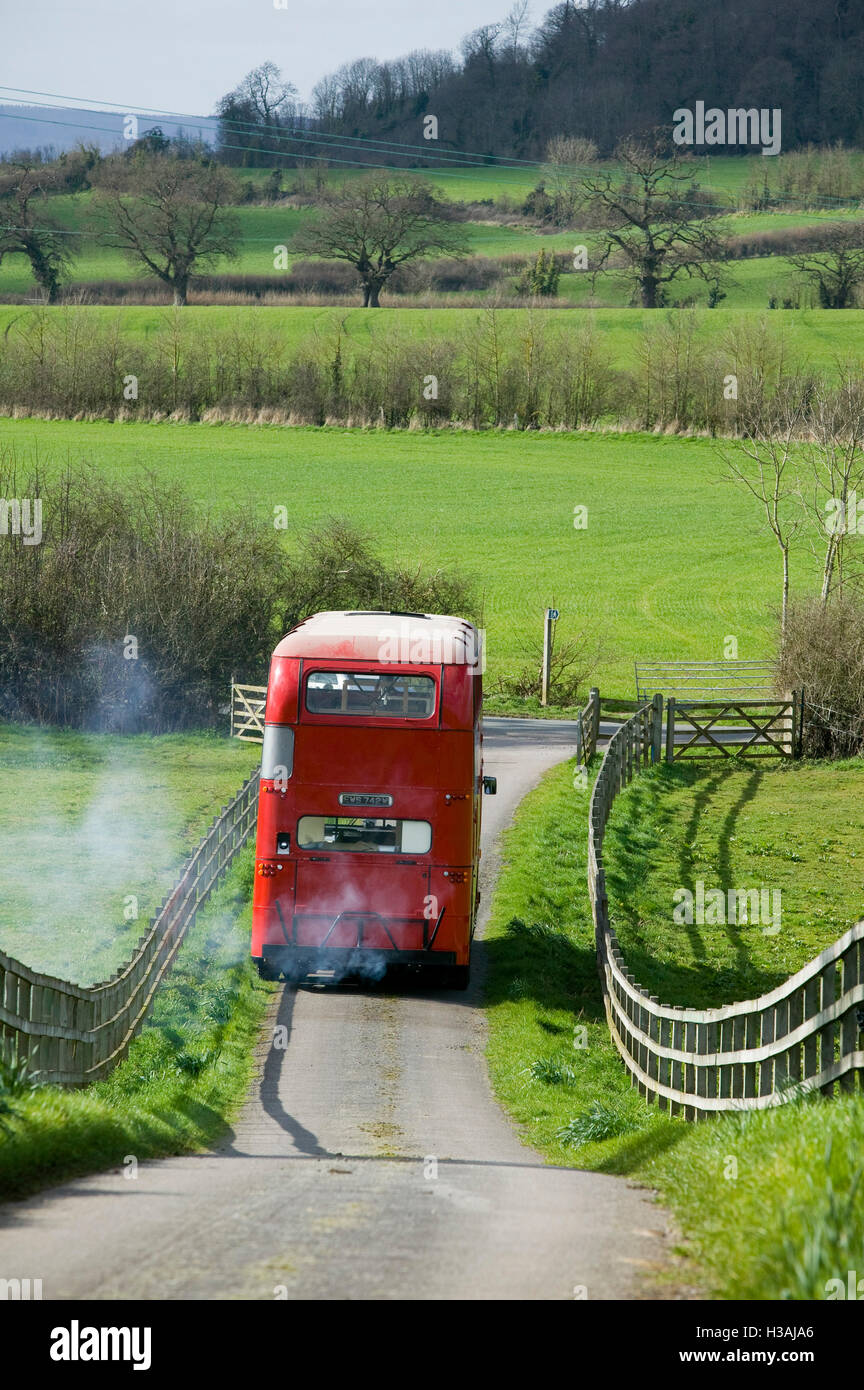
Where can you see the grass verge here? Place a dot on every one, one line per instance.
(184, 1077)
(771, 1204)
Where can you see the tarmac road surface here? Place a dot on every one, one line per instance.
(370, 1161)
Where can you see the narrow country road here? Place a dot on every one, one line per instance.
(370, 1161)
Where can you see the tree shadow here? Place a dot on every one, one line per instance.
(545, 964)
(633, 844)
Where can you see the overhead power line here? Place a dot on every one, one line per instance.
(215, 122)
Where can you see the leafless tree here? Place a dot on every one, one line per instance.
(27, 228)
(377, 224)
(266, 92)
(837, 271)
(653, 223)
(516, 26)
(834, 458)
(169, 216)
(763, 463)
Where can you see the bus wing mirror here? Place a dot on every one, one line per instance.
(490, 785)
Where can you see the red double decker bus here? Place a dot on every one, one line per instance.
(371, 784)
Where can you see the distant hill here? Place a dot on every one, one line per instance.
(62, 128)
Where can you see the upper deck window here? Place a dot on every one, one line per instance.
(383, 695)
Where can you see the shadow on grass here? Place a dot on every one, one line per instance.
(635, 1151)
(544, 963)
(558, 973)
(641, 829)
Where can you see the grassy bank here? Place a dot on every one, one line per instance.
(185, 1076)
(794, 830)
(94, 830)
(771, 1205)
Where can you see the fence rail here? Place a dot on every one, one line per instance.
(71, 1034)
(745, 1055)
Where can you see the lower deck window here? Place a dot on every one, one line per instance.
(378, 835)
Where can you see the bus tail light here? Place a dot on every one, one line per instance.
(266, 870)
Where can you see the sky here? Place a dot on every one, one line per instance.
(182, 55)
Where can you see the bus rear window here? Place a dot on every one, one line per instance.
(395, 695)
(381, 836)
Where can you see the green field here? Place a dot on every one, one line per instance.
(263, 228)
(671, 563)
(109, 821)
(726, 175)
(184, 1078)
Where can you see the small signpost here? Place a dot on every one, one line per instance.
(551, 616)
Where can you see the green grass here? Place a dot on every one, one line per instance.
(185, 1076)
(770, 1205)
(796, 829)
(672, 562)
(109, 821)
(727, 175)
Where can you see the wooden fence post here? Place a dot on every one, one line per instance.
(670, 729)
(657, 728)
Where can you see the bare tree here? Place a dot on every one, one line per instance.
(169, 216)
(253, 116)
(837, 271)
(835, 458)
(25, 226)
(266, 92)
(516, 27)
(763, 463)
(652, 220)
(377, 224)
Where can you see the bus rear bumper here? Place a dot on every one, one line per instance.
(337, 963)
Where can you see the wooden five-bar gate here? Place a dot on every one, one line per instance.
(247, 712)
(699, 730)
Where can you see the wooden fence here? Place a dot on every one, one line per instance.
(588, 729)
(749, 1055)
(71, 1034)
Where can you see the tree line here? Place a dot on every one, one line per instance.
(598, 69)
(493, 370)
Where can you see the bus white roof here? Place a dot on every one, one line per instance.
(384, 636)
